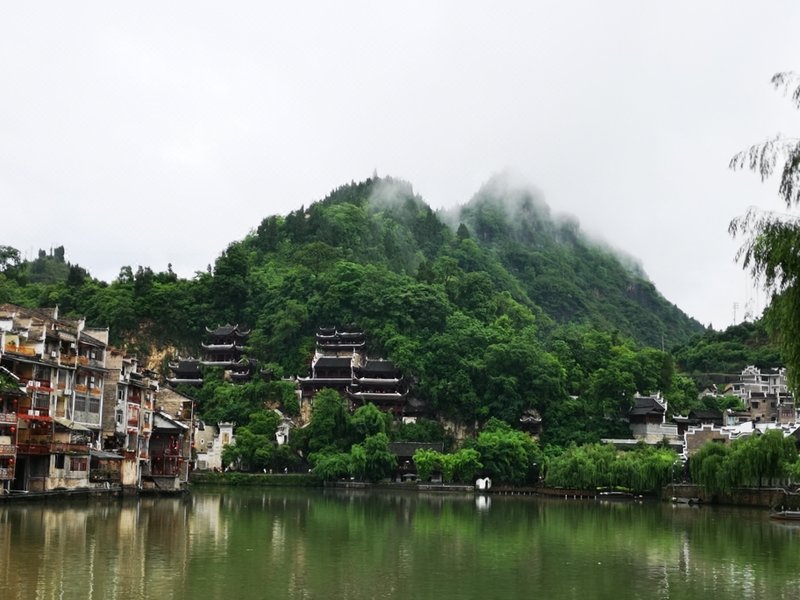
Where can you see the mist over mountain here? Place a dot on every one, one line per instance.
(570, 275)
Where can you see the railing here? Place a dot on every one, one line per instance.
(28, 448)
(65, 448)
(34, 412)
(8, 449)
(14, 349)
(41, 385)
(8, 418)
(6, 473)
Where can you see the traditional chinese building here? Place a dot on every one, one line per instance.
(185, 371)
(378, 382)
(60, 364)
(130, 391)
(340, 362)
(10, 393)
(226, 346)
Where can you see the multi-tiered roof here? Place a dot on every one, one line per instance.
(340, 363)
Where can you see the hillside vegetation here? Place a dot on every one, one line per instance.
(504, 310)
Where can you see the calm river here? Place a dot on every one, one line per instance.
(291, 543)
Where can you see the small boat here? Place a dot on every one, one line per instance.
(786, 515)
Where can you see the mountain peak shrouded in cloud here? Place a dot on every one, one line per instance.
(507, 205)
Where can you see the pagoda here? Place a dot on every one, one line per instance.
(337, 352)
(379, 382)
(340, 342)
(226, 347)
(340, 363)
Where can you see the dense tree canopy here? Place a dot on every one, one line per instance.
(771, 248)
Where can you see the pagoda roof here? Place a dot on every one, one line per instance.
(186, 366)
(333, 361)
(647, 405)
(231, 346)
(384, 381)
(386, 396)
(228, 329)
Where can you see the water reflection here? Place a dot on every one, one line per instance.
(333, 544)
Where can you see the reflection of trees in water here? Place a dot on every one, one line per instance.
(323, 544)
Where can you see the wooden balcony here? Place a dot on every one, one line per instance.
(24, 350)
(65, 448)
(33, 448)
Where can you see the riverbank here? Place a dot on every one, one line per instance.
(58, 494)
(751, 497)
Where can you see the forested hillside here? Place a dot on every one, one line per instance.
(508, 311)
(571, 277)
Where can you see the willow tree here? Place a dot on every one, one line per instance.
(772, 242)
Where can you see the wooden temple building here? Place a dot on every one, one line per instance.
(225, 349)
(379, 382)
(226, 346)
(340, 363)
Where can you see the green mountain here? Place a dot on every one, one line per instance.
(503, 311)
(572, 278)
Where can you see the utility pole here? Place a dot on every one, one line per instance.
(735, 308)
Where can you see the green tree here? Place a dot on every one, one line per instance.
(771, 240)
(507, 455)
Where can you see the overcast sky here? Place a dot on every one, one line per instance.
(158, 132)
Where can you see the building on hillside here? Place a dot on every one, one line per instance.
(696, 437)
(185, 371)
(531, 422)
(340, 362)
(225, 350)
(209, 442)
(284, 429)
(60, 364)
(378, 382)
(648, 422)
(696, 418)
(765, 395)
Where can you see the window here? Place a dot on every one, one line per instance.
(59, 464)
(80, 403)
(41, 401)
(94, 405)
(78, 464)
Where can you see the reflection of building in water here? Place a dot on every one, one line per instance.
(206, 523)
(113, 551)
